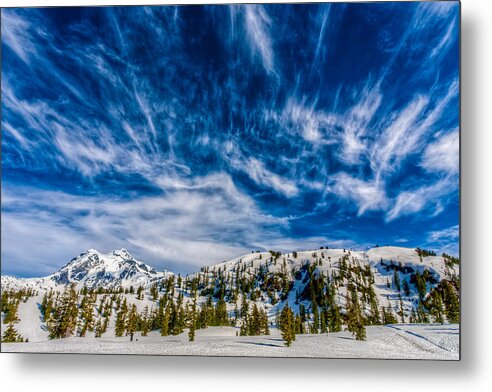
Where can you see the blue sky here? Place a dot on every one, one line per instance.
(190, 135)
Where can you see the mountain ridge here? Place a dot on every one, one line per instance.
(321, 287)
(95, 269)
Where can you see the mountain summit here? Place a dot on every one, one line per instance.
(94, 269)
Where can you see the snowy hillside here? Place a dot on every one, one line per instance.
(382, 261)
(113, 294)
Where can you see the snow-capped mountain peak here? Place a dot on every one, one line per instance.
(94, 269)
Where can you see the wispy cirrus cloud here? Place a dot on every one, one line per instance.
(180, 130)
(367, 195)
(258, 173)
(445, 240)
(450, 233)
(257, 26)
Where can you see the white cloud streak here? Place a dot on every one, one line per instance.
(257, 25)
(443, 154)
(368, 196)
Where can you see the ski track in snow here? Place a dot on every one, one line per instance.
(441, 342)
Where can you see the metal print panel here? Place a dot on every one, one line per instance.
(233, 180)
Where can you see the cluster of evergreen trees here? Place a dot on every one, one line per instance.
(254, 323)
(9, 305)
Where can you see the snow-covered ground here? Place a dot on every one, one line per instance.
(402, 341)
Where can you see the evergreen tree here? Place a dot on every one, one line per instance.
(221, 313)
(421, 285)
(388, 316)
(421, 315)
(436, 307)
(120, 319)
(324, 320)
(10, 335)
(264, 323)
(154, 292)
(287, 325)
(131, 321)
(335, 324)
(355, 318)
(402, 314)
(254, 326)
(165, 322)
(315, 326)
(11, 311)
(98, 328)
(244, 330)
(144, 322)
(192, 321)
(65, 322)
(244, 307)
(451, 303)
(140, 293)
(120, 323)
(87, 313)
(375, 316)
(396, 280)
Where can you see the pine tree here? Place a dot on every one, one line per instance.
(10, 335)
(421, 285)
(131, 321)
(221, 313)
(154, 292)
(436, 307)
(192, 321)
(180, 320)
(98, 328)
(244, 330)
(355, 318)
(120, 323)
(388, 316)
(120, 319)
(324, 320)
(287, 325)
(421, 315)
(335, 324)
(87, 313)
(315, 326)
(264, 323)
(375, 316)
(254, 327)
(65, 322)
(451, 304)
(396, 280)
(165, 322)
(11, 312)
(402, 314)
(140, 293)
(144, 322)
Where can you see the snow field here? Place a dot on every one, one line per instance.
(403, 341)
